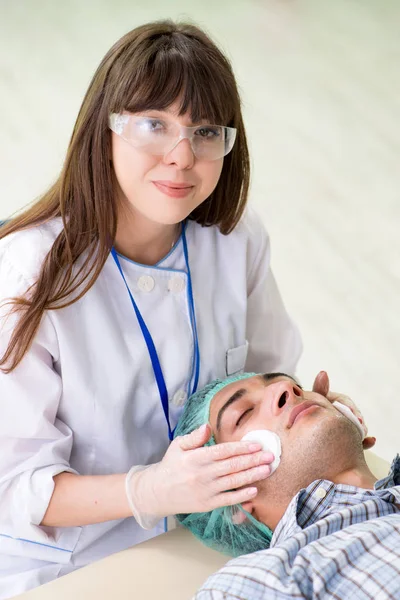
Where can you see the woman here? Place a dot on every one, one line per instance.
(135, 279)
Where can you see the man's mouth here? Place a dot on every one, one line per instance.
(299, 409)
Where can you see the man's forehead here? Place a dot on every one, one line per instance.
(250, 384)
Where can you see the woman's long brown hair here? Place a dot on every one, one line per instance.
(149, 68)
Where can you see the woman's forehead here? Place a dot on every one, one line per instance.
(174, 113)
(189, 90)
(175, 108)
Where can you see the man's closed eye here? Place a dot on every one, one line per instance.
(242, 416)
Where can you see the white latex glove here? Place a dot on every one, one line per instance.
(191, 478)
(321, 386)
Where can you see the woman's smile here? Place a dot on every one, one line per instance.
(175, 190)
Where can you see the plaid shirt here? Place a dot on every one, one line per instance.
(334, 541)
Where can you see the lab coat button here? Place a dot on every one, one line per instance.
(146, 283)
(176, 284)
(179, 398)
(320, 493)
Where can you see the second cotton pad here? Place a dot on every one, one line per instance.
(346, 411)
(269, 441)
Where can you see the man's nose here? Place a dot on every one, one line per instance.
(181, 155)
(284, 393)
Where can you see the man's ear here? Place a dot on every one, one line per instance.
(240, 516)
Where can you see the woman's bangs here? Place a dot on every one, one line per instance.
(169, 76)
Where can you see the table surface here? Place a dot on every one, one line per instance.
(171, 566)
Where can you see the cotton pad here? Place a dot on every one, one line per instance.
(347, 412)
(269, 441)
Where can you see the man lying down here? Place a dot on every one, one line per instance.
(322, 525)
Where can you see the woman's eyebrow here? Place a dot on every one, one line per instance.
(236, 396)
(171, 116)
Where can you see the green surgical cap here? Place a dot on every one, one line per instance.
(197, 408)
(217, 528)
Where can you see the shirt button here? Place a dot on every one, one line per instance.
(320, 493)
(146, 283)
(176, 284)
(179, 398)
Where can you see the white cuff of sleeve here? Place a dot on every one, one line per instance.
(27, 500)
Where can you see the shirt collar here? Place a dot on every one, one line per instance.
(310, 503)
(393, 478)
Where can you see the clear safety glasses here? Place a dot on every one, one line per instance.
(160, 136)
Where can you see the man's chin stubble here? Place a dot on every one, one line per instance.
(331, 449)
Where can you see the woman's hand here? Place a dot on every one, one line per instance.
(321, 386)
(192, 478)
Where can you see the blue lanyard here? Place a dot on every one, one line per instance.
(158, 374)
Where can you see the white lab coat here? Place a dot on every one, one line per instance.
(85, 400)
